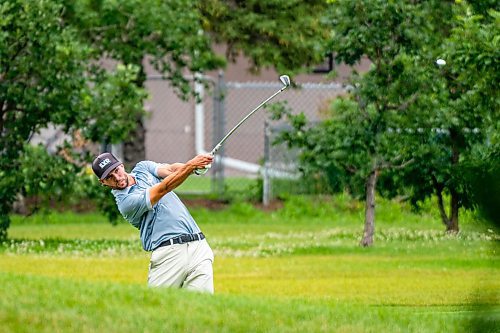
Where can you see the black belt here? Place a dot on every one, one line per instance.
(186, 238)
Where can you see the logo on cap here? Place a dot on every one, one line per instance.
(104, 163)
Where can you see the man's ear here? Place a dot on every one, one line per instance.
(102, 182)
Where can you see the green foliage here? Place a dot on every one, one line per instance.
(168, 34)
(47, 77)
(482, 7)
(357, 138)
(114, 100)
(90, 188)
(315, 148)
(377, 29)
(285, 35)
(480, 173)
(473, 54)
(53, 181)
(406, 119)
(347, 145)
(456, 112)
(51, 51)
(47, 177)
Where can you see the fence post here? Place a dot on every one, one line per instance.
(218, 134)
(266, 181)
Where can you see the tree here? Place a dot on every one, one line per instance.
(165, 34)
(46, 78)
(473, 103)
(349, 149)
(415, 127)
(407, 122)
(458, 112)
(388, 34)
(481, 174)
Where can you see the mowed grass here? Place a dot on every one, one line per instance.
(203, 184)
(298, 269)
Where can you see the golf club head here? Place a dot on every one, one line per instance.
(200, 172)
(285, 80)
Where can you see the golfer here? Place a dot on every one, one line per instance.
(181, 256)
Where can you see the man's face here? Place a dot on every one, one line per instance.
(116, 179)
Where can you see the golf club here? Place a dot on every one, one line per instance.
(286, 83)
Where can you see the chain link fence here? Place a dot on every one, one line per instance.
(248, 163)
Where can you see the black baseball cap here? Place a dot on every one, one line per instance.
(104, 164)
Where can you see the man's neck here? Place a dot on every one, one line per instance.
(130, 180)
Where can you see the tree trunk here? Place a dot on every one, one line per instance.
(370, 209)
(4, 226)
(439, 194)
(452, 226)
(134, 150)
(453, 222)
(5, 208)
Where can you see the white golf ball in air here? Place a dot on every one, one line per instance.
(440, 62)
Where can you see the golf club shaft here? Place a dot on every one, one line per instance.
(286, 82)
(217, 147)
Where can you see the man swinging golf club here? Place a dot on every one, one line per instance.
(181, 256)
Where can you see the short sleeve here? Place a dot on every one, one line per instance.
(134, 205)
(147, 166)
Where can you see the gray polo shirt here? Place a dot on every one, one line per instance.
(166, 219)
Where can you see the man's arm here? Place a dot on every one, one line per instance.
(175, 174)
(165, 170)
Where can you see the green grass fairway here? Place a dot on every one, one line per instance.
(298, 269)
(63, 305)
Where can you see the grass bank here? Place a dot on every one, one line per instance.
(49, 305)
(298, 269)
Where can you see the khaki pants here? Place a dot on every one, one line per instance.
(187, 265)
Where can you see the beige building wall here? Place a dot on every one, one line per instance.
(169, 125)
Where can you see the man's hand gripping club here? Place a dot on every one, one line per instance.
(202, 171)
(202, 163)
